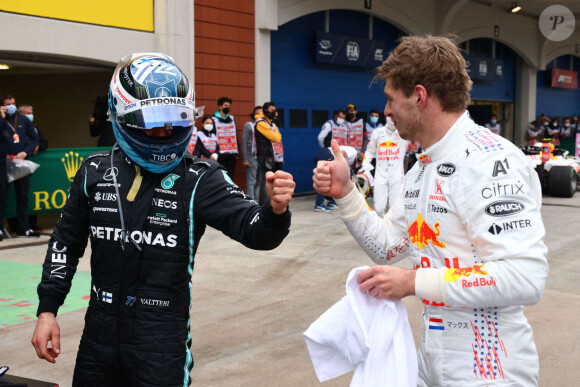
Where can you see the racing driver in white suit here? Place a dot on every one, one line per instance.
(468, 217)
(389, 149)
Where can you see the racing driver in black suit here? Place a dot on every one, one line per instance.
(145, 207)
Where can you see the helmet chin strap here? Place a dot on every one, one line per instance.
(123, 232)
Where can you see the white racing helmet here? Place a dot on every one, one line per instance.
(147, 91)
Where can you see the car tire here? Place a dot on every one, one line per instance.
(562, 181)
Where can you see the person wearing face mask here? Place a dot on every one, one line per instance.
(28, 111)
(22, 142)
(493, 125)
(567, 140)
(355, 128)
(226, 134)
(207, 146)
(544, 124)
(267, 133)
(370, 126)
(553, 131)
(334, 129)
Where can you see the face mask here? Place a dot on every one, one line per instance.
(566, 124)
(493, 122)
(374, 119)
(340, 120)
(555, 124)
(30, 117)
(226, 110)
(349, 116)
(208, 127)
(271, 115)
(545, 123)
(11, 109)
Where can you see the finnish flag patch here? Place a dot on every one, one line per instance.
(107, 297)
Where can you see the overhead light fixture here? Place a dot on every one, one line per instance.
(4, 67)
(515, 8)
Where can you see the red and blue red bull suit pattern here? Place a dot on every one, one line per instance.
(469, 218)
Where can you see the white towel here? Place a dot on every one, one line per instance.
(366, 334)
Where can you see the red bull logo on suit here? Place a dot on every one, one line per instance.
(421, 234)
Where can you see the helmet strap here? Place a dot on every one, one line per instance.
(119, 207)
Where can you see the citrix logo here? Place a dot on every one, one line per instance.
(499, 189)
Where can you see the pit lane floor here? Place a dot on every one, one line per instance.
(250, 308)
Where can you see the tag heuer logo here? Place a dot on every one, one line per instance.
(168, 181)
(446, 169)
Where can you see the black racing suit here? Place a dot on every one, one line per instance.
(137, 324)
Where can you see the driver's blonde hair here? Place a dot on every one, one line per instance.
(434, 62)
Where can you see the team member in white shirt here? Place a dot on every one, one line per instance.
(389, 150)
(334, 129)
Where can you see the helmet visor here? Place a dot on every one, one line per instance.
(149, 117)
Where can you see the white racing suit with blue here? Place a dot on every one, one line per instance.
(137, 323)
(388, 148)
(469, 218)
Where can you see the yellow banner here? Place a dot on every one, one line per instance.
(134, 14)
